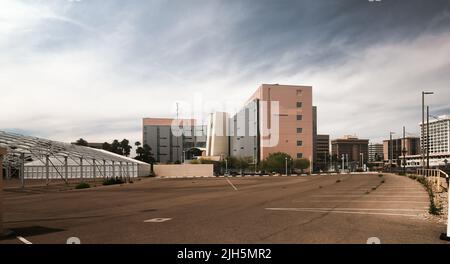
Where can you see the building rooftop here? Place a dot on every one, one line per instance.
(167, 121)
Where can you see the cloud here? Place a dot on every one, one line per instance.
(93, 69)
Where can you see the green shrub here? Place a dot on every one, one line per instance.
(82, 185)
(112, 181)
(433, 209)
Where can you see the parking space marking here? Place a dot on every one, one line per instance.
(23, 240)
(157, 220)
(353, 201)
(232, 185)
(424, 209)
(339, 212)
(371, 195)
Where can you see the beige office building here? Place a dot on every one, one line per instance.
(276, 118)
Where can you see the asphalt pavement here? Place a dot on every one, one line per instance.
(305, 209)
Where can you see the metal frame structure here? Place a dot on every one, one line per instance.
(36, 158)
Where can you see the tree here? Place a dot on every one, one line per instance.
(125, 147)
(275, 162)
(145, 154)
(301, 164)
(137, 144)
(106, 146)
(81, 142)
(115, 147)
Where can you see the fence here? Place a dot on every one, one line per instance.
(440, 180)
(80, 172)
(437, 177)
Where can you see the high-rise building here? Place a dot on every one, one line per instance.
(411, 146)
(322, 151)
(439, 135)
(217, 139)
(173, 145)
(376, 152)
(352, 147)
(276, 118)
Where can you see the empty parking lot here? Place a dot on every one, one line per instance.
(313, 209)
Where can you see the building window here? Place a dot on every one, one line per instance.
(299, 155)
(299, 143)
(299, 104)
(299, 130)
(299, 117)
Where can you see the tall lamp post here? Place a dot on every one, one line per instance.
(362, 159)
(286, 160)
(391, 158)
(423, 126)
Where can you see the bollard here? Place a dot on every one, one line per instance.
(2, 152)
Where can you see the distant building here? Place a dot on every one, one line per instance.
(173, 146)
(411, 146)
(439, 135)
(258, 129)
(351, 146)
(439, 144)
(217, 139)
(322, 151)
(376, 152)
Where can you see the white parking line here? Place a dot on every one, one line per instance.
(157, 220)
(371, 195)
(358, 201)
(232, 185)
(338, 212)
(23, 240)
(356, 209)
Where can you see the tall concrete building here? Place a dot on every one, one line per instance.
(322, 151)
(439, 135)
(276, 118)
(351, 146)
(411, 145)
(376, 152)
(217, 143)
(169, 145)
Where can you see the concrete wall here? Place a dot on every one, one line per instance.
(2, 152)
(184, 170)
(144, 170)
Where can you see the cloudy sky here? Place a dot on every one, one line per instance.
(94, 68)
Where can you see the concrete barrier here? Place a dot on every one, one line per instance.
(184, 170)
(2, 153)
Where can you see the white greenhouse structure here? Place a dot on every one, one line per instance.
(35, 158)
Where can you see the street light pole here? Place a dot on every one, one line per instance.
(226, 165)
(346, 157)
(428, 137)
(362, 159)
(391, 158)
(286, 159)
(423, 128)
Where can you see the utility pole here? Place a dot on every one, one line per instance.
(404, 150)
(391, 143)
(343, 161)
(362, 159)
(346, 157)
(286, 159)
(428, 137)
(423, 128)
